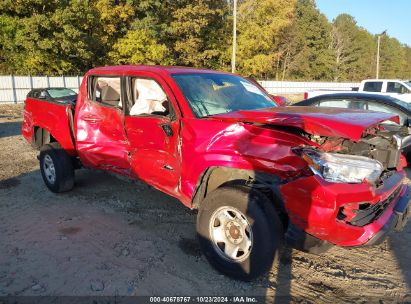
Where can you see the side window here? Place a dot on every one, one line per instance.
(148, 97)
(396, 87)
(343, 103)
(335, 103)
(107, 91)
(373, 106)
(404, 90)
(373, 86)
(43, 94)
(358, 104)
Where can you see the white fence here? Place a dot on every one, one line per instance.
(296, 87)
(15, 88)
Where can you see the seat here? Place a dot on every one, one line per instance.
(110, 96)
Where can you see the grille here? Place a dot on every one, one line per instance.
(368, 213)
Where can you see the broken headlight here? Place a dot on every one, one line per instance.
(340, 168)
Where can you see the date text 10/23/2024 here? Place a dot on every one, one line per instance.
(205, 299)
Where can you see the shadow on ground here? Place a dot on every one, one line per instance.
(10, 129)
(400, 246)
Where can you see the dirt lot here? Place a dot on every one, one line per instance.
(114, 237)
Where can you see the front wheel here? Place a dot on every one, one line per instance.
(56, 168)
(239, 231)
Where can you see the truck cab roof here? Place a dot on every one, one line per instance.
(125, 69)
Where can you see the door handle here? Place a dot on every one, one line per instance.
(167, 130)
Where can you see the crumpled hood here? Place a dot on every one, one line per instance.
(331, 122)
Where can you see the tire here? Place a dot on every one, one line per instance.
(261, 220)
(56, 168)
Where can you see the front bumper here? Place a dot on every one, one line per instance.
(397, 221)
(313, 206)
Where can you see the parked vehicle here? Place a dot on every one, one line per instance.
(390, 87)
(365, 101)
(396, 88)
(62, 95)
(257, 173)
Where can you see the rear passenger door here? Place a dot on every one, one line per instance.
(100, 134)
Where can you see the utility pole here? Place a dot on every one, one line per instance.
(378, 53)
(234, 36)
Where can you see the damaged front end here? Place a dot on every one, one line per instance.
(378, 152)
(347, 181)
(357, 187)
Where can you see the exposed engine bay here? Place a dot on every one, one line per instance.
(384, 144)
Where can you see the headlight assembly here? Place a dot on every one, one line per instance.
(341, 168)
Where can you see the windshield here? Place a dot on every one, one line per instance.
(58, 93)
(211, 94)
(408, 83)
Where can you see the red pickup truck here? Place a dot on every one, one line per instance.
(257, 173)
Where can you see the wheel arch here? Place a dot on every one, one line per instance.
(41, 137)
(215, 177)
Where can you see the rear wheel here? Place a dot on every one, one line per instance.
(56, 168)
(239, 231)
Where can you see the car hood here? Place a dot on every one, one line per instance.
(331, 122)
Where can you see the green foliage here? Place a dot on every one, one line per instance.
(354, 50)
(308, 53)
(60, 37)
(406, 70)
(392, 57)
(260, 24)
(282, 39)
(198, 32)
(140, 47)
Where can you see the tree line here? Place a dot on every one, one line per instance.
(277, 39)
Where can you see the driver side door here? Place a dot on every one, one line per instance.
(153, 126)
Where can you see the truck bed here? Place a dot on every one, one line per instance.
(46, 121)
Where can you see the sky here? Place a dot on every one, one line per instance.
(374, 15)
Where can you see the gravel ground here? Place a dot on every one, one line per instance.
(114, 237)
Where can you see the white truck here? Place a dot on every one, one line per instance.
(400, 89)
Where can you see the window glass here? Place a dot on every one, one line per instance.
(373, 86)
(396, 87)
(401, 103)
(335, 103)
(373, 106)
(212, 93)
(405, 90)
(36, 94)
(43, 95)
(60, 92)
(148, 97)
(344, 103)
(107, 90)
